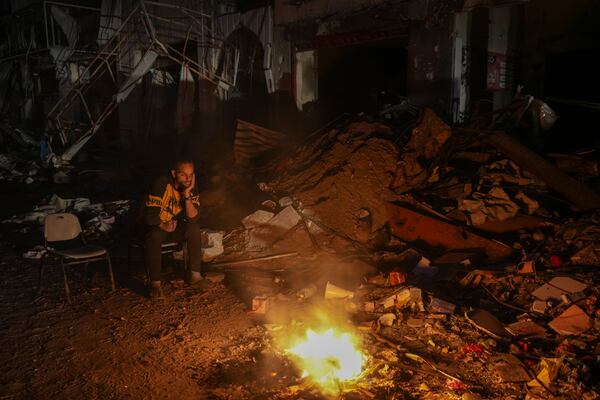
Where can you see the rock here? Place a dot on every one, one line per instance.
(257, 218)
(270, 204)
(539, 236)
(276, 227)
(285, 201)
(415, 322)
(212, 245)
(387, 319)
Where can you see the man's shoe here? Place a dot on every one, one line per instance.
(196, 279)
(155, 291)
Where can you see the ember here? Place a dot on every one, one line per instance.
(330, 358)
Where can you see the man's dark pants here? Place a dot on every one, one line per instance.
(155, 237)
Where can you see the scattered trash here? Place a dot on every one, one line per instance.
(572, 321)
(486, 322)
(335, 292)
(440, 306)
(549, 368)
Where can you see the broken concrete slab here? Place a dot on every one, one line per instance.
(212, 245)
(417, 226)
(257, 218)
(296, 239)
(266, 234)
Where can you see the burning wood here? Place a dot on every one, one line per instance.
(330, 358)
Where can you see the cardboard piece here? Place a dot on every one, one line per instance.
(573, 321)
(557, 287)
(526, 329)
(567, 284)
(488, 323)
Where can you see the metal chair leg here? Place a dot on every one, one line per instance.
(85, 269)
(185, 256)
(67, 291)
(41, 273)
(110, 271)
(129, 266)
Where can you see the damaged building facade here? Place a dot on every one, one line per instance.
(109, 69)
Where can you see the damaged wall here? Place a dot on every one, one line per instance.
(559, 65)
(430, 55)
(287, 12)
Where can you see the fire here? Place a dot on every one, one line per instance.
(329, 358)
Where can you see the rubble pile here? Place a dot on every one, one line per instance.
(19, 150)
(344, 178)
(466, 274)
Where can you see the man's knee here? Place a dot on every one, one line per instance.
(154, 237)
(193, 231)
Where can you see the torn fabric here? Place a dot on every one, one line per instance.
(138, 72)
(494, 205)
(68, 25)
(185, 100)
(306, 78)
(110, 20)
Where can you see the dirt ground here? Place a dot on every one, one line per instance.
(118, 345)
(197, 343)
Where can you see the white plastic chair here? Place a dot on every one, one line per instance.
(64, 227)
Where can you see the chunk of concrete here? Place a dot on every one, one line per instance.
(257, 218)
(285, 201)
(266, 234)
(212, 245)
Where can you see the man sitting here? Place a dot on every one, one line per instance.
(171, 214)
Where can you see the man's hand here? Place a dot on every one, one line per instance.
(168, 226)
(188, 190)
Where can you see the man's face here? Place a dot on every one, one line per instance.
(183, 175)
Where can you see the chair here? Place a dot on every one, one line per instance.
(166, 248)
(61, 229)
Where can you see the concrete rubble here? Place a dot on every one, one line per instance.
(508, 307)
(463, 274)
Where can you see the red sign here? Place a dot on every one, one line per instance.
(497, 71)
